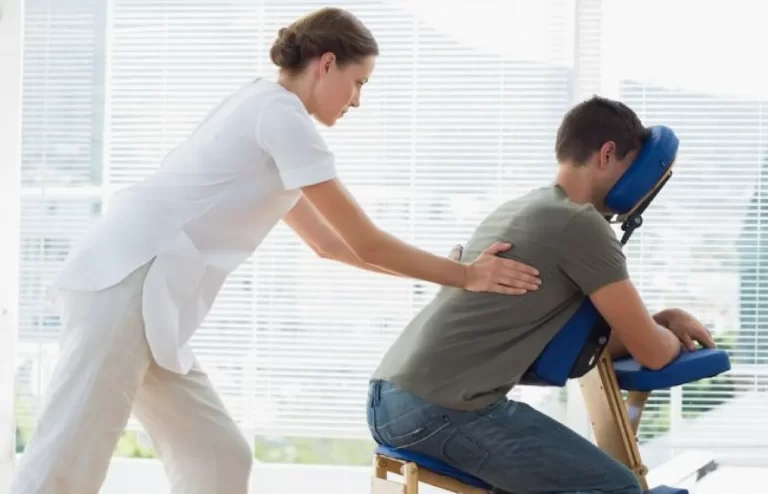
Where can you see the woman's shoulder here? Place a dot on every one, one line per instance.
(273, 95)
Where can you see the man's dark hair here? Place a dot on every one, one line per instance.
(592, 123)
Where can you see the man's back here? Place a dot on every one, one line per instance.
(464, 350)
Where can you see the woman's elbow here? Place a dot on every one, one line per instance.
(326, 252)
(366, 252)
(332, 251)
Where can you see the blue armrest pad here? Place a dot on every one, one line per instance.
(688, 367)
(432, 464)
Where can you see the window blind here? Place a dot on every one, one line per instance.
(444, 130)
(459, 116)
(61, 170)
(702, 241)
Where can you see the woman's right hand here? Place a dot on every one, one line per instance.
(491, 273)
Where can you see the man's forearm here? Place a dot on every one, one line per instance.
(616, 348)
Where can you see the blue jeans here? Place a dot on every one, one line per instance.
(508, 444)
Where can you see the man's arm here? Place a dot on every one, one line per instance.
(591, 255)
(320, 237)
(635, 330)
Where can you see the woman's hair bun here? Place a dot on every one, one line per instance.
(285, 51)
(325, 30)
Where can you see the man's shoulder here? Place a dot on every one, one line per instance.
(544, 205)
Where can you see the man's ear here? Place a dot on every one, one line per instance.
(607, 153)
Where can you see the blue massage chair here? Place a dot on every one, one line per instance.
(576, 352)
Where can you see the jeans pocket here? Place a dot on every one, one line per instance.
(412, 429)
(464, 453)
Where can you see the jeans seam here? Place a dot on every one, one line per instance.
(432, 434)
(376, 393)
(412, 410)
(374, 402)
(459, 431)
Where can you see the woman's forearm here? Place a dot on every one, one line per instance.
(377, 248)
(348, 257)
(388, 253)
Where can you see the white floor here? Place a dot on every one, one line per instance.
(132, 476)
(733, 479)
(146, 476)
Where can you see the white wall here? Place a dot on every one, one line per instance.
(10, 147)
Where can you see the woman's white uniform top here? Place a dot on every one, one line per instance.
(203, 213)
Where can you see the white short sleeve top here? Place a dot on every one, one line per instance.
(203, 212)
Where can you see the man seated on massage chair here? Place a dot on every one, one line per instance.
(441, 388)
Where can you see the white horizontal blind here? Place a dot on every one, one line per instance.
(292, 340)
(701, 250)
(702, 244)
(459, 116)
(63, 79)
(444, 134)
(62, 123)
(170, 63)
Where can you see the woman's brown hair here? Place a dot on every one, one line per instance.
(325, 30)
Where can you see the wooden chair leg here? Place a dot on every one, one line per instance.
(380, 468)
(379, 483)
(411, 474)
(614, 431)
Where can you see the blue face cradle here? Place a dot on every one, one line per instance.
(650, 168)
(639, 185)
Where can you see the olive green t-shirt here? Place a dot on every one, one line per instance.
(464, 350)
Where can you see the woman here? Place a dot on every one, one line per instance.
(142, 281)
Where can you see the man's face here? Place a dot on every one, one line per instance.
(608, 170)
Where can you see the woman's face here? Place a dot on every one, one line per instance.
(338, 88)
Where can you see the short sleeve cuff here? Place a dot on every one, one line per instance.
(309, 175)
(607, 277)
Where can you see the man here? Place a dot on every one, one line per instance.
(441, 388)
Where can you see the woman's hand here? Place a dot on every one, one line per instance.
(686, 327)
(491, 273)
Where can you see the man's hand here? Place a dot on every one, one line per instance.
(687, 329)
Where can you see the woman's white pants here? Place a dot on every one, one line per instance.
(105, 371)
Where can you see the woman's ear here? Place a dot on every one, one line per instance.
(326, 61)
